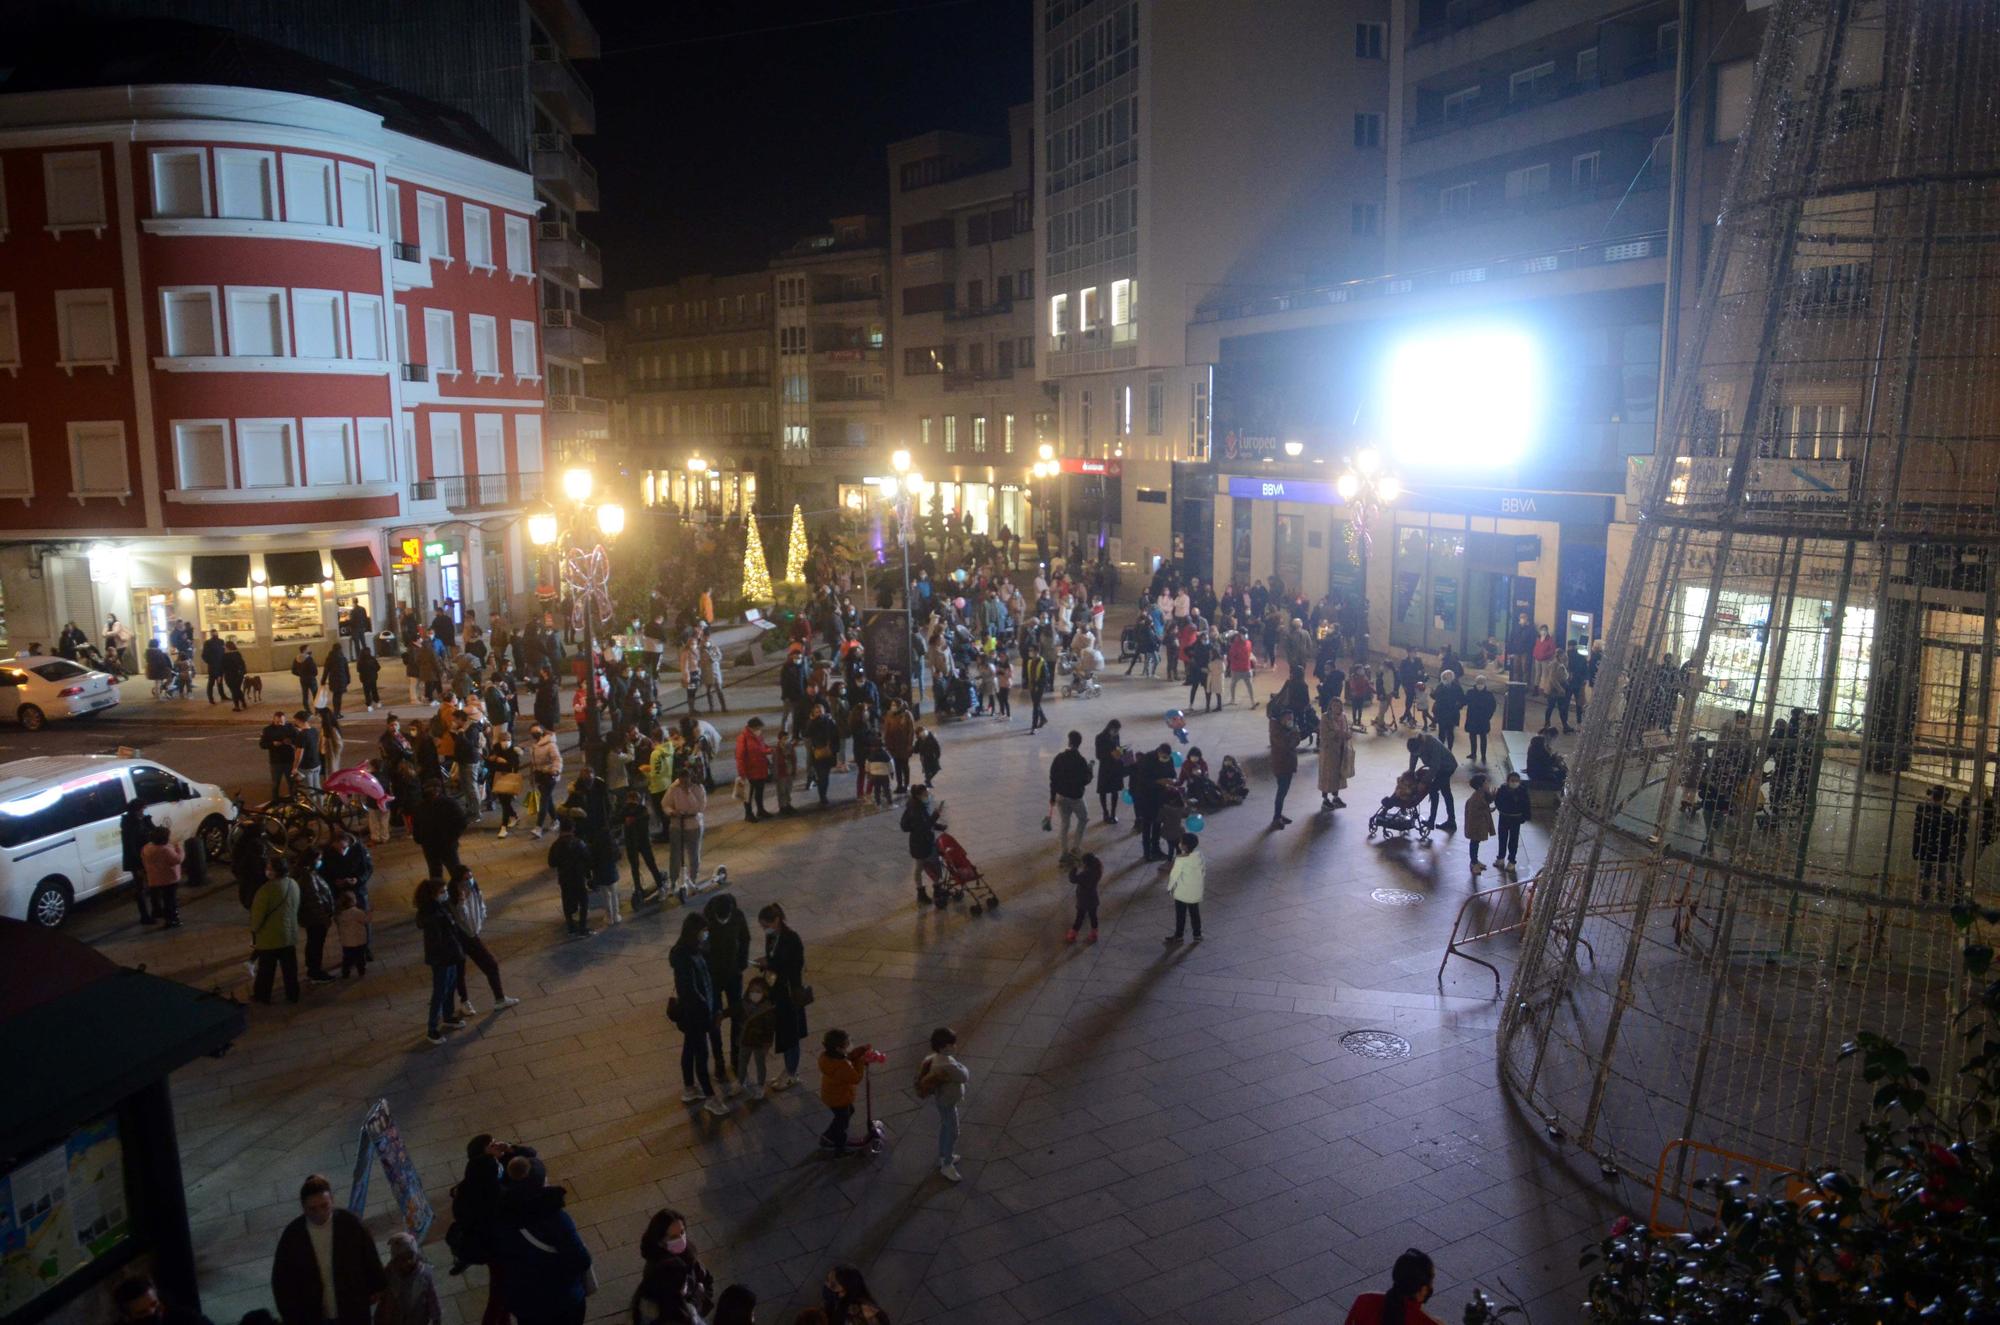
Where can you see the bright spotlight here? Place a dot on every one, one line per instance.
(1347, 485)
(1295, 449)
(1389, 489)
(1464, 399)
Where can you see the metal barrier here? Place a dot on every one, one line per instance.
(1684, 1194)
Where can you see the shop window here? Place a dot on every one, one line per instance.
(1239, 541)
(1410, 588)
(228, 613)
(296, 614)
(1447, 579)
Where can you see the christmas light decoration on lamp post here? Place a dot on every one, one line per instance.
(585, 569)
(1368, 492)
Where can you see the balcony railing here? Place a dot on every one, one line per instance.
(994, 309)
(563, 170)
(407, 252)
(479, 492)
(830, 298)
(844, 396)
(564, 404)
(976, 380)
(416, 372)
(703, 382)
(560, 249)
(556, 84)
(568, 334)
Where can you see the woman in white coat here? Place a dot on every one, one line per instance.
(1336, 755)
(1185, 884)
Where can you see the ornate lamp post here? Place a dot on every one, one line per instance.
(697, 478)
(1045, 471)
(901, 491)
(1370, 491)
(570, 534)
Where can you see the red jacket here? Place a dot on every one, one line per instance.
(753, 757)
(1241, 661)
(1545, 648)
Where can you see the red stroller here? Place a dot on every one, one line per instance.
(958, 878)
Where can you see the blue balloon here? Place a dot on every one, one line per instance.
(1178, 757)
(1195, 823)
(1126, 796)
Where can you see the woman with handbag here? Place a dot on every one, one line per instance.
(468, 909)
(503, 771)
(784, 961)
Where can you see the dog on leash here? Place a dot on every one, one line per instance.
(253, 688)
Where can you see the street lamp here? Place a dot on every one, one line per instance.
(1295, 449)
(570, 535)
(1369, 491)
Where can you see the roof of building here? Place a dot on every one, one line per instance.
(113, 1030)
(62, 55)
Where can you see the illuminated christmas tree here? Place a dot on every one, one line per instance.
(796, 551)
(756, 576)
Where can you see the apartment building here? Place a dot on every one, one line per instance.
(965, 400)
(505, 65)
(265, 346)
(696, 415)
(1506, 360)
(1175, 138)
(830, 340)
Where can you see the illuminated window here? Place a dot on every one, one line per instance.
(1058, 314)
(1121, 302)
(1088, 322)
(1007, 433)
(979, 433)
(950, 434)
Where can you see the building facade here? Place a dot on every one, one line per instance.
(1183, 151)
(505, 65)
(1529, 161)
(262, 352)
(696, 421)
(965, 399)
(830, 343)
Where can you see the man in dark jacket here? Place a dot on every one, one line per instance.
(334, 674)
(1148, 785)
(276, 742)
(358, 627)
(536, 1246)
(728, 958)
(1442, 763)
(213, 651)
(437, 825)
(135, 829)
(920, 821)
(347, 866)
(569, 857)
(1447, 703)
(234, 672)
(326, 1269)
(1069, 783)
(822, 749)
(1480, 705)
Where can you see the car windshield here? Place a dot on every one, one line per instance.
(60, 669)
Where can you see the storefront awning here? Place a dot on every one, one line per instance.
(293, 567)
(356, 563)
(220, 573)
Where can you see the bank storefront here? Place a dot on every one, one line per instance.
(1444, 567)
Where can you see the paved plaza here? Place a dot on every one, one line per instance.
(1153, 1133)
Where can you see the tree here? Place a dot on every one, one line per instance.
(796, 550)
(756, 575)
(1914, 1240)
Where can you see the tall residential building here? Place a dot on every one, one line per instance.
(506, 66)
(1176, 138)
(1506, 361)
(831, 345)
(268, 341)
(693, 366)
(965, 401)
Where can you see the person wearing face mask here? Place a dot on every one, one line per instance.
(756, 1032)
(693, 1010)
(1480, 704)
(326, 1270)
(784, 964)
(1410, 1284)
(666, 1241)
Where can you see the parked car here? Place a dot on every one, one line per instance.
(59, 833)
(34, 690)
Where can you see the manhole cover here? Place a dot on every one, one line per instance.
(1375, 1044)
(1396, 897)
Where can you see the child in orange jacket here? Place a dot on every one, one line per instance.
(840, 1070)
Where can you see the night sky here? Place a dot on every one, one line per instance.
(727, 131)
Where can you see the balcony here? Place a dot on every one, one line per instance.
(705, 382)
(850, 353)
(478, 492)
(560, 250)
(416, 372)
(976, 380)
(575, 421)
(849, 300)
(570, 26)
(560, 90)
(994, 309)
(561, 169)
(843, 396)
(568, 334)
(406, 252)
(407, 268)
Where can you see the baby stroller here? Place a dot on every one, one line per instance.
(1083, 683)
(1402, 809)
(958, 878)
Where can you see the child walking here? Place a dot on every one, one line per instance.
(351, 919)
(943, 1078)
(1478, 819)
(1084, 877)
(1385, 695)
(1512, 803)
(1186, 882)
(1003, 681)
(840, 1069)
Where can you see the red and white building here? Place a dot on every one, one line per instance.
(262, 352)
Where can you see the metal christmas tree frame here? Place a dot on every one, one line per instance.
(1816, 548)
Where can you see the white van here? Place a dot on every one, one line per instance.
(59, 834)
